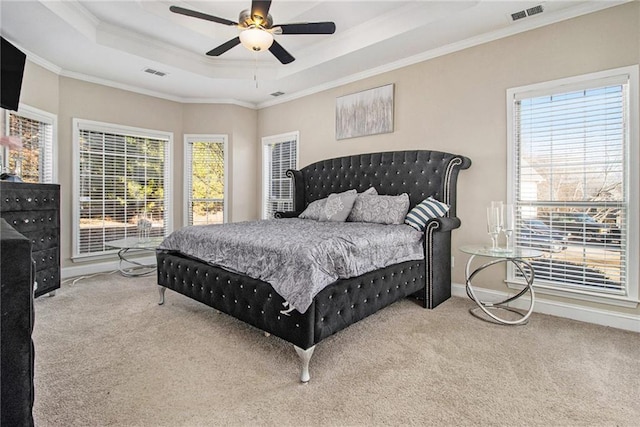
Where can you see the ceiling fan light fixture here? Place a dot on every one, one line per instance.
(256, 39)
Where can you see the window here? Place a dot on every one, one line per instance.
(205, 160)
(279, 153)
(573, 143)
(121, 177)
(37, 130)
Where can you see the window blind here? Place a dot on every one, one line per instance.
(34, 162)
(121, 179)
(205, 174)
(571, 192)
(279, 155)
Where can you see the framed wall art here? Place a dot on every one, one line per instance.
(369, 112)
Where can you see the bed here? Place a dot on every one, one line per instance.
(419, 174)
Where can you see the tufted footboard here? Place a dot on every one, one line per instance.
(256, 303)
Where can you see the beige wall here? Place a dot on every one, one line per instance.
(457, 103)
(40, 88)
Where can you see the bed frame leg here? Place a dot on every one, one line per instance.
(305, 357)
(161, 290)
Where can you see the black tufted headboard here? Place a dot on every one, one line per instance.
(419, 173)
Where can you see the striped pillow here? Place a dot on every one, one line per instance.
(428, 209)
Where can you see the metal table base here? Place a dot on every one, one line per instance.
(488, 308)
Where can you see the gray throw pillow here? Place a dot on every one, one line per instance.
(380, 209)
(338, 206)
(357, 205)
(314, 210)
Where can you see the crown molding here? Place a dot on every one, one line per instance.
(147, 92)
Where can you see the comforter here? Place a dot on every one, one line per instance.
(298, 257)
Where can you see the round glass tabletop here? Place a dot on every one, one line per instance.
(501, 252)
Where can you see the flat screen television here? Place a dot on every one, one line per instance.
(11, 71)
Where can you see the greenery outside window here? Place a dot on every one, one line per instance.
(37, 130)
(279, 153)
(573, 146)
(205, 165)
(121, 176)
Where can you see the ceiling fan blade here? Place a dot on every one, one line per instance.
(307, 28)
(260, 8)
(280, 53)
(195, 14)
(224, 47)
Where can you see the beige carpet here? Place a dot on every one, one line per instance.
(107, 354)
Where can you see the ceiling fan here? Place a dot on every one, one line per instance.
(257, 30)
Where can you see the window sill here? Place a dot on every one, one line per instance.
(578, 294)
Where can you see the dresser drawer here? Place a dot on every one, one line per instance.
(28, 197)
(48, 280)
(44, 239)
(25, 222)
(48, 258)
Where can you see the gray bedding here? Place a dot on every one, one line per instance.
(298, 257)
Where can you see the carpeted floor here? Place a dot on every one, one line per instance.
(107, 354)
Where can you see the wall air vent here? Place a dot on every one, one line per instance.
(278, 93)
(155, 72)
(528, 12)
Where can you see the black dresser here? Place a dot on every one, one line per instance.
(34, 211)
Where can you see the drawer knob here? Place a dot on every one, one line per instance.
(29, 199)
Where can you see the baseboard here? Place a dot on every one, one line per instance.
(100, 267)
(560, 309)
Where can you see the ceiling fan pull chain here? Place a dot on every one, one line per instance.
(255, 69)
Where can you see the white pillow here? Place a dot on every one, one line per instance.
(426, 210)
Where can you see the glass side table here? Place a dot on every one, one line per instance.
(129, 267)
(518, 257)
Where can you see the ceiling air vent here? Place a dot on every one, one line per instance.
(528, 12)
(535, 10)
(278, 93)
(518, 15)
(155, 72)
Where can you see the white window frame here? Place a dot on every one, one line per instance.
(266, 141)
(628, 298)
(33, 113)
(189, 139)
(83, 124)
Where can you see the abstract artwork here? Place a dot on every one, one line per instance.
(369, 112)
